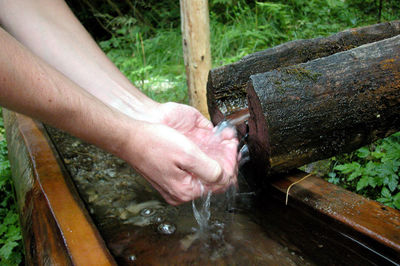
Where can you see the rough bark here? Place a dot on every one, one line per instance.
(324, 107)
(226, 88)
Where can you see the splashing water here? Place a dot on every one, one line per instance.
(202, 214)
(201, 206)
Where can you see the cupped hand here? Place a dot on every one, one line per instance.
(220, 146)
(170, 162)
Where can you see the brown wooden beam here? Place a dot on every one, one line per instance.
(350, 222)
(57, 230)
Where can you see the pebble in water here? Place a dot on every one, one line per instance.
(147, 212)
(166, 228)
(132, 258)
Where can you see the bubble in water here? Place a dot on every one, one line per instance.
(147, 212)
(166, 229)
(158, 219)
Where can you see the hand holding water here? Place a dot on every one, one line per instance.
(203, 154)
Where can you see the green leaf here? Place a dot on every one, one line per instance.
(396, 200)
(6, 250)
(392, 182)
(11, 218)
(362, 183)
(378, 154)
(347, 168)
(355, 174)
(384, 200)
(392, 149)
(372, 181)
(3, 229)
(386, 193)
(363, 152)
(13, 233)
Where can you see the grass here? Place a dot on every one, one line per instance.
(10, 233)
(154, 63)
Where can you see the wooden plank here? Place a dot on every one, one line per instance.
(327, 106)
(196, 50)
(369, 227)
(56, 227)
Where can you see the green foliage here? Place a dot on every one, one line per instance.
(154, 64)
(372, 171)
(10, 233)
(150, 53)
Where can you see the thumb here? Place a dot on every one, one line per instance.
(204, 168)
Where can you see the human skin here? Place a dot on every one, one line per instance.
(56, 73)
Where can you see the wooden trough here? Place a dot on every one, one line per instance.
(323, 224)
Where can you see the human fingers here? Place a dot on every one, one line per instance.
(169, 198)
(201, 166)
(203, 122)
(178, 188)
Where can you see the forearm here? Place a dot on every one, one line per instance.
(30, 86)
(52, 32)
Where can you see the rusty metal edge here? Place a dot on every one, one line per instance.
(80, 236)
(369, 218)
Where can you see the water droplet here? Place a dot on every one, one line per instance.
(166, 228)
(147, 212)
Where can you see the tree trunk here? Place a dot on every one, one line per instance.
(324, 107)
(196, 50)
(226, 88)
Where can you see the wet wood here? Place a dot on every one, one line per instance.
(57, 229)
(196, 50)
(354, 224)
(226, 87)
(327, 106)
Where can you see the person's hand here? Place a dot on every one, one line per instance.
(171, 162)
(221, 146)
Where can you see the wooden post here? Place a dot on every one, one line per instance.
(196, 50)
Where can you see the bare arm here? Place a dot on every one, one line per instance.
(51, 31)
(32, 87)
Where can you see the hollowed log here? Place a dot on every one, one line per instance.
(327, 106)
(226, 88)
